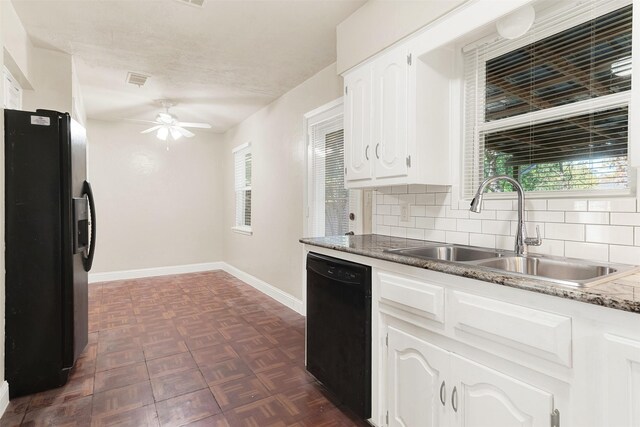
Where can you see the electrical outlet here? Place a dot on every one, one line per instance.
(404, 212)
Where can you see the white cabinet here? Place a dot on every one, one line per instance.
(416, 373)
(430, 386)
(376, 121)
(483, 397)
(390, 114)
(622, 397)
(357, 126)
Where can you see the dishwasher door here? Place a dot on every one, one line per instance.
(338, 329)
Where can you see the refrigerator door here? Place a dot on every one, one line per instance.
(74, 170)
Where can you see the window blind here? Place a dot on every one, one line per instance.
(329, 200)
(242, 185)
(551, 109)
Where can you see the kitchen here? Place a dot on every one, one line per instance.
(418, 194)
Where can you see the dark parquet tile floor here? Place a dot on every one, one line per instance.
(202, 349)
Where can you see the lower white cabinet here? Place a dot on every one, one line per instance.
(416, 387)
(430, 386)
(622, 399)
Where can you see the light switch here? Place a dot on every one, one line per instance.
(404, 212)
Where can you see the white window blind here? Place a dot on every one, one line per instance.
(329, 202)
(551, 109)
(242, 186)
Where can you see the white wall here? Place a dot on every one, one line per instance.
(380, 23)
(155, 208)
(273, 253)
(51, 77)
(17, 48)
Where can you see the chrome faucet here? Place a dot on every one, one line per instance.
(522, 241)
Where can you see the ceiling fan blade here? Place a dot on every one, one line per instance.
(183, 131)
(194, 125)
(151, 129)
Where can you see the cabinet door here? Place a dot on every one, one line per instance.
(416, 372)
(390, 112)
(488, 398)
(357, 125)
(622, 397)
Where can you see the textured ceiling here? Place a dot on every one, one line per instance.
(220, 63)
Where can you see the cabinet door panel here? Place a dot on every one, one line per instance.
(416, 371)
(390, 136)
(488, 398)
(357, 125)
(622, 400)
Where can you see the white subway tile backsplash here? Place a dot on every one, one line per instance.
(482, 240)
(504, 205)
(448, 224)
(425, 222)
(426, 199)
(591, 251)
(566, 205)
(417, 210)
(618, 205)
(544, 216)
(624, 254)
(587, 217)
(470, 225)
(457, 237)
(415, 233)
(625, 218)
(496, 227)
(613, 234)
(557, 231)
(435, 235)
(590, 229)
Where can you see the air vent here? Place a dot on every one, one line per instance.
(136, 78)
(196, 3)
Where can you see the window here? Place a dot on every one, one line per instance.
(551, 109)
(242, 186)
(330, 204)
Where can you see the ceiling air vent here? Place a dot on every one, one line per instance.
(136, 78)
(196, 3)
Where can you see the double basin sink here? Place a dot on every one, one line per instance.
(563, 271)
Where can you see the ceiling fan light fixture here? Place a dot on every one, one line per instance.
(175, 133)
(163, 133)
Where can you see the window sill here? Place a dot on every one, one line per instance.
(242, 230)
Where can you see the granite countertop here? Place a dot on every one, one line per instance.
(621, 293)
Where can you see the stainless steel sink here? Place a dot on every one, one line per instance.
(568, 271)
(451, 253)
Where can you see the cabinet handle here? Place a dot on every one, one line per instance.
(454, 399)
(443, 394)
(366, 152)
(377, 146)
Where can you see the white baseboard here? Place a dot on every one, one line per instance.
(264, 287)
(267, 289)
(158, 271)
(4, 397)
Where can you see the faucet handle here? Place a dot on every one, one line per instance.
(534, 241)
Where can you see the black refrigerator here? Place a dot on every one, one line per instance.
(50, 240)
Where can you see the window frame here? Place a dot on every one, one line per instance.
(494, 46)
(239, 224)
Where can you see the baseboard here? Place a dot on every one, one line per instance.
(264, 287)
(277, 294)
(4, 397)
(151, 272)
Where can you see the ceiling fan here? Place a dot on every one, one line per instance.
(167, 125)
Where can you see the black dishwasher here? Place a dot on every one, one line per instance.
(339, 329)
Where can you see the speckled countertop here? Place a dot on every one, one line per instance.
(621, 293)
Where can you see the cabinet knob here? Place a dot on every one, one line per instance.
(366, 152)
(443, 394)
(377, 146)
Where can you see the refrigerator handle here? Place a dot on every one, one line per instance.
(88, 260)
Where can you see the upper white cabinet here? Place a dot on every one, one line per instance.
(357, 126)
(397, 120)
